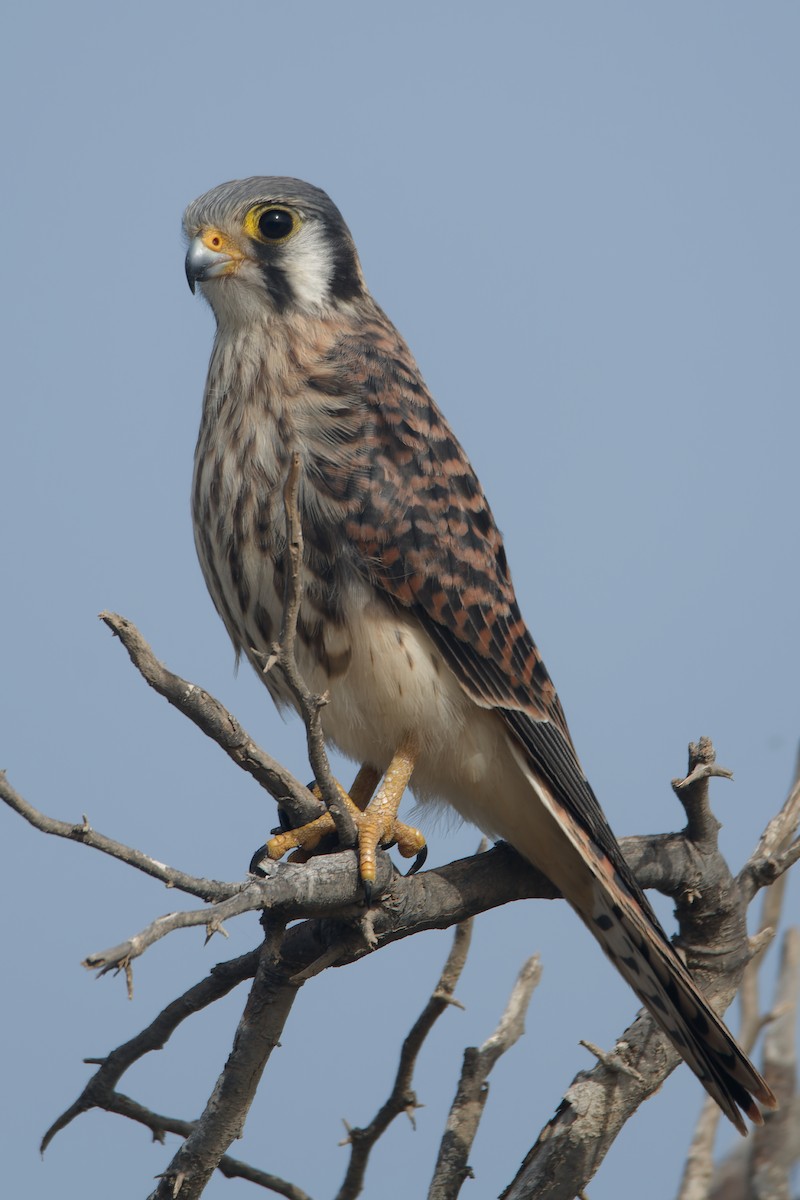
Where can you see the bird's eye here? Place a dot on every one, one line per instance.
(275, 224)
(272, 223)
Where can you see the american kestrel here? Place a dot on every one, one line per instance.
(408, 617)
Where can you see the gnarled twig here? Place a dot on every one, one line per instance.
(402, 1098)
(452, 1166)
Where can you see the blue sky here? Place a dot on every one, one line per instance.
(583, 218)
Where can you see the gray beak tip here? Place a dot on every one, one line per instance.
(190, 267)
(204, 263)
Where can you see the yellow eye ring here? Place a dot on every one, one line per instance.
(272, 223)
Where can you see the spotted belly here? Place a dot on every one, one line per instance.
(386, 681)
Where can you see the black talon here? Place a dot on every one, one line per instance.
(418, 862)
(255, 867)
(284, 824)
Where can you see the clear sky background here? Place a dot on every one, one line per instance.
(584, 219)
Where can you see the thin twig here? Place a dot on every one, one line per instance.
(776, 850)
(231, 1168)
(221, 979)
(703, 826)
(205, 889)
(764, 872)
(452, 1166)
(772, 1157)
(121, 956)
(402, 1098)
(283, 658)
(216, 723)
(611, 1059)
(326, 886)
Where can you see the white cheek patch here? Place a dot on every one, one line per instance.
(308, 263)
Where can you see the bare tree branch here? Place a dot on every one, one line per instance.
(760, 1168)
(119, 957)
(687, 866)
(268, 1005)
(205, 889)
(776, 851)
(732, 1176)
(470, 1100)
(432, 900)
(713, 934)
(702, 826)
(221, 979)
(216, 723)
(328, 885)
(772, 1159)
(234, 1168)
(763, 867)
(231, 1168)
(699, 1169)
(402, 1098)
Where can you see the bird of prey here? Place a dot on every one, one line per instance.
(408, 617)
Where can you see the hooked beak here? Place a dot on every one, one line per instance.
(209, 255)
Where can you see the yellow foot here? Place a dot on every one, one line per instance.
(375, 820)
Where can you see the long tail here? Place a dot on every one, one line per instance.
(648, 962)
(622, 921)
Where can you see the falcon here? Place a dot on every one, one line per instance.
(408, 617)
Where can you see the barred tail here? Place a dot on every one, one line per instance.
(598, 884)
(649, 963)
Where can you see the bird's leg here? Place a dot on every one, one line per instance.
(364, 785)
(375, 817)
(379, 825)
(409, 841)
(310, 836)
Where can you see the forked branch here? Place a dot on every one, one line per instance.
(711, 907)
(402, 1099)
(452, 1164)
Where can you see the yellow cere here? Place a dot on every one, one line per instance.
(219, 243)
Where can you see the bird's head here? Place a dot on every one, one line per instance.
(270, 245)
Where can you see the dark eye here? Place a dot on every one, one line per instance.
(272, 223)
(275, 224)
